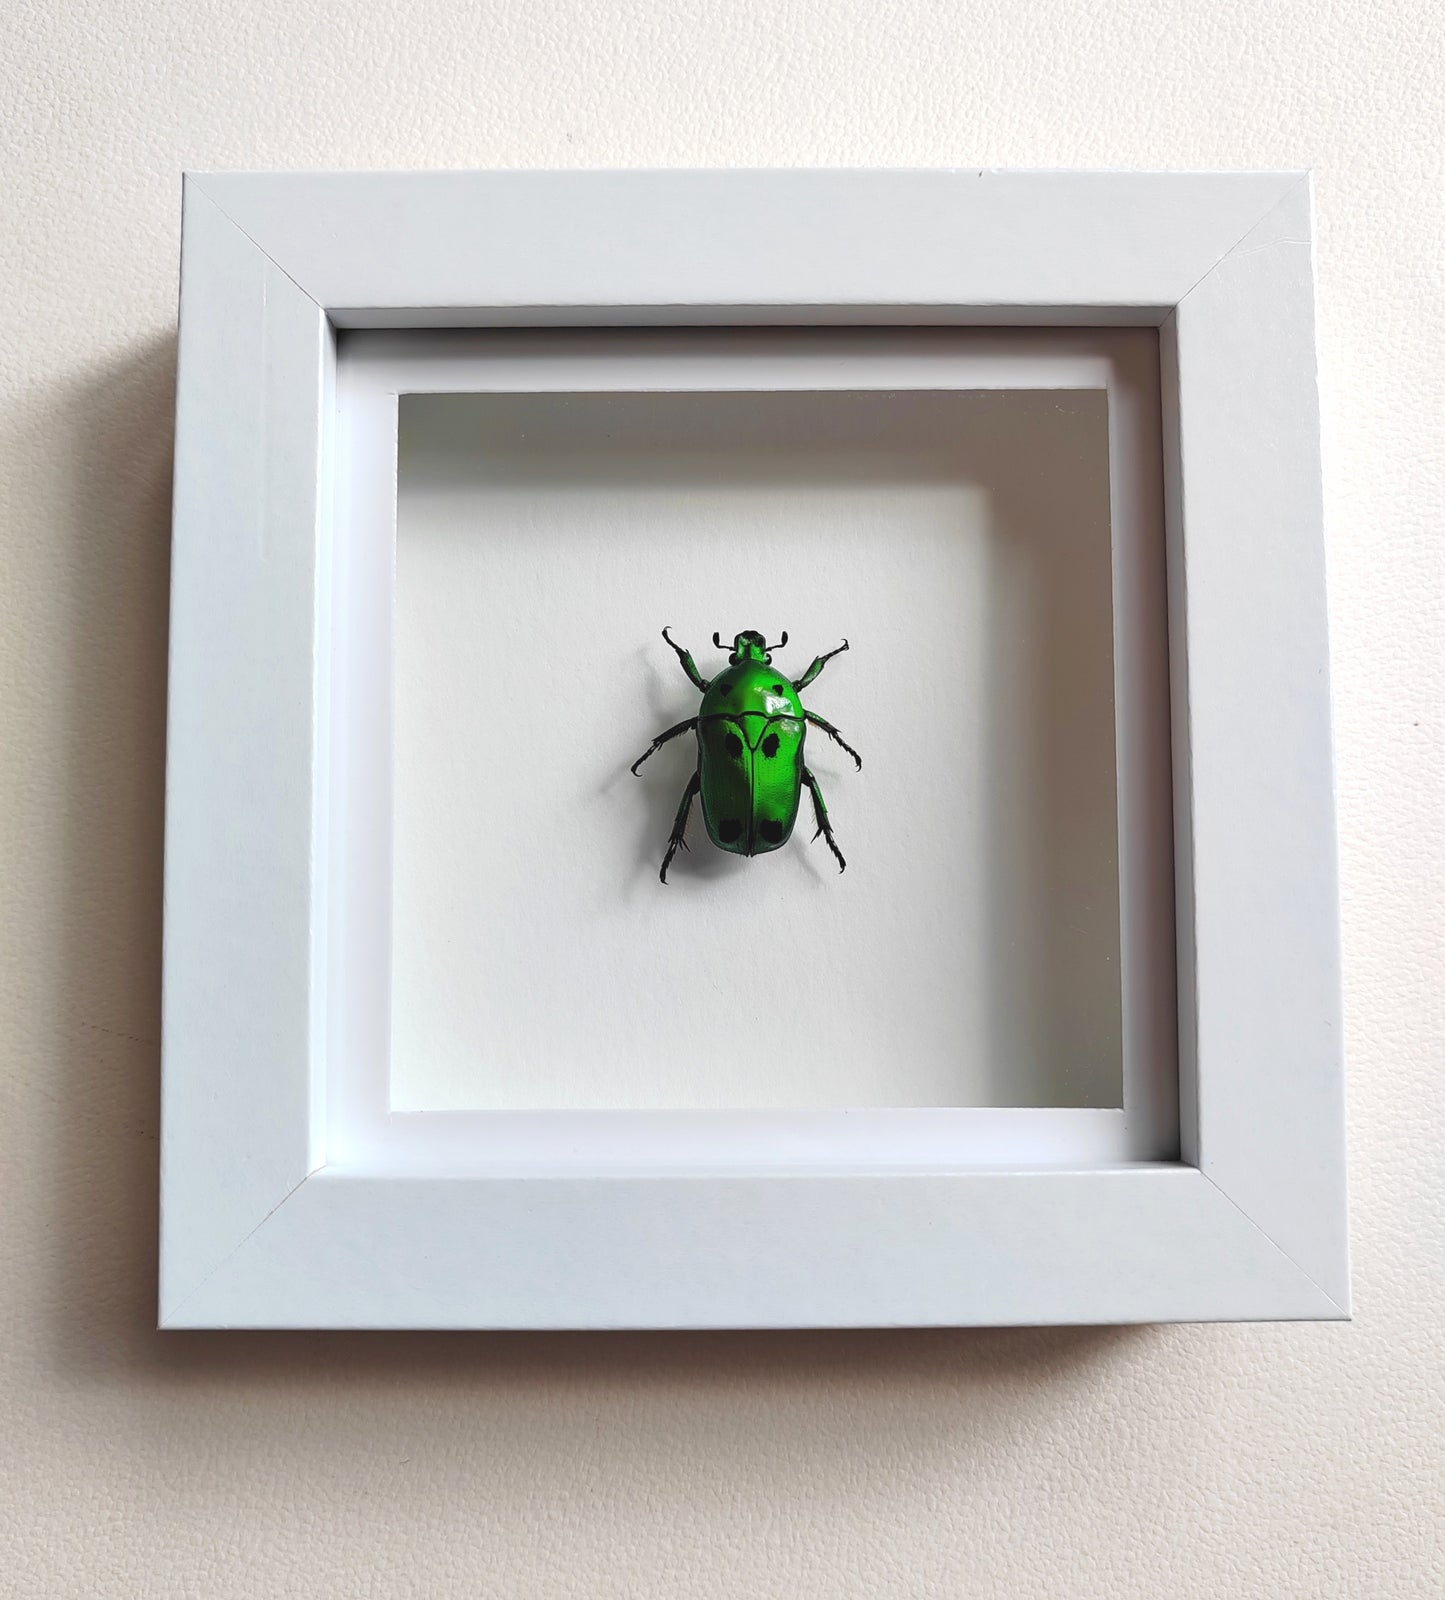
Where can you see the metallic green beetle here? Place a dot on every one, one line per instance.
(750, 767)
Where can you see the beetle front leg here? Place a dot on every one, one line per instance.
(661, 739)
(819, 662)
(832, 732)
(689, 666)
(820, 813)
(679, 825)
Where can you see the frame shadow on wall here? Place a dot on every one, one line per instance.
(112, 492)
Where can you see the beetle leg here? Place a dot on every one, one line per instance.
(820, 813)
(689, 666)
(662, 739)
(819, 662)
(679, 825)
(832, 732)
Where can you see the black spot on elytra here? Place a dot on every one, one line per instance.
(729, 830)
(733, 745)
(777, 688)
(770, 745)
(772, 830)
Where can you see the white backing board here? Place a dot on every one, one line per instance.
(960, 539)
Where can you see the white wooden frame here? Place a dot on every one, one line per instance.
(261, 1229)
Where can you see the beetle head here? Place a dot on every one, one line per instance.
(750, 646)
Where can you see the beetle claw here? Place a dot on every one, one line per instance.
(837, 853)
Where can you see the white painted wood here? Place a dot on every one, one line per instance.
(478, 248)
(1263, 893)
(374, 369)
(1141, 719)
(366, 1139)
(240, 1016)
(270, 265)
(1143, 1244)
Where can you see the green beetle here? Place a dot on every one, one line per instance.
(750, 768)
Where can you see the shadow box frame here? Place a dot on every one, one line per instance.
(263, 1224)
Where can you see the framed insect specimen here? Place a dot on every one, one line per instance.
(309, 844)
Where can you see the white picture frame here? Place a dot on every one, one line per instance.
(268, 1222)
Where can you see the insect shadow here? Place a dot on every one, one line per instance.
(660, 783)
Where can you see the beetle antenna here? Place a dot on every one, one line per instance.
(781, 642)
(717, 642)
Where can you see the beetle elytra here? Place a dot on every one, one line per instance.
(750, 770)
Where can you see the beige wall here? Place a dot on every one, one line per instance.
(1201, 1462)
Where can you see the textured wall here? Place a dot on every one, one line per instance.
(1197, 1462)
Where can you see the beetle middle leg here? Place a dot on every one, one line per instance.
(832, 732)
(679, 824)
(820, 814)
(819, 662)
(662, 738)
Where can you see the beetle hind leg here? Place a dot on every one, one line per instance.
(820, 815)
(679, 824)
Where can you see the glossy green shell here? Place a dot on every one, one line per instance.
(750, 733)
